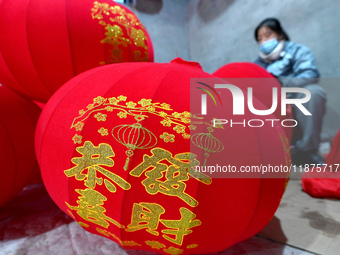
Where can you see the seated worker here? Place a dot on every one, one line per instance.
(294, 65)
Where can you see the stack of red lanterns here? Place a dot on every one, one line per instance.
(43, 44)
(120, 146)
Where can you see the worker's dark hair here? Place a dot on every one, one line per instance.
(274, 25)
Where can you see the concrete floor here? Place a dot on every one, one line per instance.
(307, 223)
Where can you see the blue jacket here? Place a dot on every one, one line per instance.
(296, 61)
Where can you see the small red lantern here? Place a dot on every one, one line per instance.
(119, 148)
(263, 85)
(45, 43)
(322, 180)
(18, 118)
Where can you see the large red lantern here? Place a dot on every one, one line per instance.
(44, 43)
(18, 118)
(119, 148)
(252, 75)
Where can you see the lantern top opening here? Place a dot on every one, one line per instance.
(185, 62)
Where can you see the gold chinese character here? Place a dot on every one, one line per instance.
(176, 174)
(181, 227)
(90, 208)
(115, 36)
(137, 56)
(138, 37)
(145, 215)
(93, 158)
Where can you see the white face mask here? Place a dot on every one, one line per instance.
(268, 46)
(274, 53)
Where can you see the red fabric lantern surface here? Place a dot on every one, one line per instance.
(43, 44)
(324, 181)
(115, 154)
(18, 118)
(262, 86)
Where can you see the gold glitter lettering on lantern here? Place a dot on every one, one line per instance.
(180, 169)
(137, 56)
(114, 36)
(130, 243)
(106, 233)
(155, 244)
(138, 37)
(180, 228)
(82, 224)
(90, 208)
(133, 30)
(93, 158)
(192, 246)
(71, 214)
(173, 251)
(145, 215)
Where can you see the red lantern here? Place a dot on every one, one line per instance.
(322, 180)
(44, 44)
(115, 153)
(18, 118)
(262, 86)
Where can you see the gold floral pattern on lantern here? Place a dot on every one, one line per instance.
(98, 100)
(145, 102)
(79, 126)
(77, 139)
(167, 137)
(142, 109)
(103, 131)
(122, 115)
(109, 108)
(179, 129)
(100, 117)
(186, 136)
(131, 104)
(122, 98)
